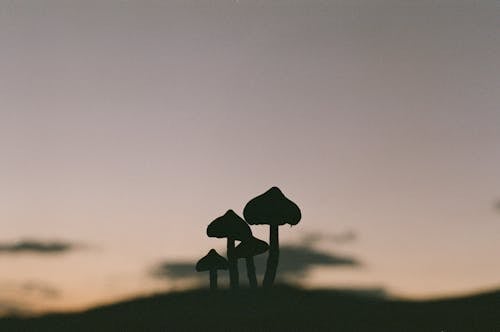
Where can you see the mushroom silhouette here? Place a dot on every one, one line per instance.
(232, 227)
(248, 249)
(212, 262)
(274, 209)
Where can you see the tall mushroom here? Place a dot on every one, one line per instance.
(248, 249)
(232, 227)
(212, 262)
(274, 209)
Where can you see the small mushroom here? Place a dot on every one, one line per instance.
(274, 209)
(232, 227)
(212, 262)
(247, 249)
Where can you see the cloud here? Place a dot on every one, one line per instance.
(36, 246)
(295, 261)
(175, 270)
(8, 308)
(299, 259)
(339, 238)
(16, 298)
(40, 288)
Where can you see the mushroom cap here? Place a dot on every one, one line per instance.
(272, 208)
(251, 247)
(229, 225)
(211, 261)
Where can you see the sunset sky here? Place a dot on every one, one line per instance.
(127, 126)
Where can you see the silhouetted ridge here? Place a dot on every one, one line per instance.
(276, 309)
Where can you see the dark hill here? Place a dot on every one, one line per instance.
(280, 309)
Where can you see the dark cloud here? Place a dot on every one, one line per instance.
(176, 270)
(298, 259)
(295, 261)
(11, 309)
(340, 238)
(36, 246)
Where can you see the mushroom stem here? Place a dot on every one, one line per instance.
(213, 279)
(273, 257)
(252, 278)
(233, 264)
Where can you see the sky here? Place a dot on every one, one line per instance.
(127, 126)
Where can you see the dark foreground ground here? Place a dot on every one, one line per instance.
(282, 309)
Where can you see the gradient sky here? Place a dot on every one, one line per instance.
(127, 126)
